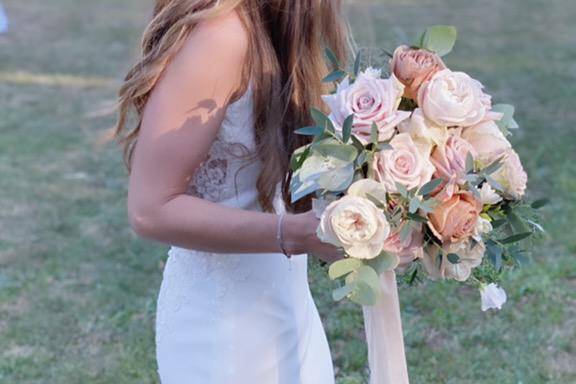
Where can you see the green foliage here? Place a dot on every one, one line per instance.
(439, 39)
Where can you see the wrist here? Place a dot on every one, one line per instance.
(293, 236)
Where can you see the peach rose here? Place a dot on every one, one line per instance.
(454, 219)
(413, 67)
(488, 141)
(470, 256)
(372, 100)
(407, 163)
(512, 175)
(453, 99)
(450, 159)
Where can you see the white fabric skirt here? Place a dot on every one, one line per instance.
(239, 319)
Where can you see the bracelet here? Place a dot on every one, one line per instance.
(280, 236)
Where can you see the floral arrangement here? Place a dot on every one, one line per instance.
(414, 172)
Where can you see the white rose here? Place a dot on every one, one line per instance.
(493, 297)
(488, 195)
(365, 187)
(470, 256)
(511, 175)
(371, 100)
(488, 141)
(355, 224)
(453, 99)
(421, 128)
(407, 163)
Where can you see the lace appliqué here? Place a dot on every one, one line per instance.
(191, 273)
(210, 177)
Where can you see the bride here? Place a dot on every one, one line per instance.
(215, 98)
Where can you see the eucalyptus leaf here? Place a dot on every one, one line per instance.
(430, 187)
(469, 163)
(384, 262)
(453, 258)
(313, 130)
(322, 120)
(347, 128)
(507, 122)
(332, 58)
(494, 252)
(493, 167)
(343, 267)
(343, 152)
(337, 180)
(364, 294)
(540, 203)
(336, 75)
(414, 204)
(340, 293)
(357, 63)
(516, 238)
(439, 39)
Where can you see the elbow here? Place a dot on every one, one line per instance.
(144, 221)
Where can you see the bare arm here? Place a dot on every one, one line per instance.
(179, 125)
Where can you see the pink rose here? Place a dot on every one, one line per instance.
(454, 219)
(371, 100)
(407, 163)
(413, 67)
(450, 159)
(488, 141)
(512, 175)
(453, 99)
(408, 250)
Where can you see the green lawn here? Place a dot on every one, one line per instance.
(78, 289)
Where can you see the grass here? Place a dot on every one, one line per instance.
(78, 289)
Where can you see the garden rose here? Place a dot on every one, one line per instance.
(408, 250)
(355, 224)
(470, 256)
(371, 100)
(453, 99)
(407, 163)
(450, 159)
(488, 141)
(454, 219)
(413, 67)
(511, 176)
(423, 129)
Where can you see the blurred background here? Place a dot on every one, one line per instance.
(78, 289)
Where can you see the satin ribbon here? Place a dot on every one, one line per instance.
(383, 326)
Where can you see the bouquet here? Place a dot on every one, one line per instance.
(412, 170)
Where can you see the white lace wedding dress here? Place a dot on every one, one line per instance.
(237, 318)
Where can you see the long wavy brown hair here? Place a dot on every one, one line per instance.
(285, 64)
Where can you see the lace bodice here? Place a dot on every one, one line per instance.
(229, 173)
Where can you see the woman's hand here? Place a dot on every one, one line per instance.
(300, 237)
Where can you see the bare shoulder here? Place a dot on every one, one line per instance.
(223, 37)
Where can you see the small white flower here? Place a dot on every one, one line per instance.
(493, 297)
(488, 195)
(483, 226)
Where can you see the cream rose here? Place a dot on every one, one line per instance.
(455, 219)
(355, 224)
(512, 175)
(488, 141)
(407, 163)
(371, 100)
(423, 129)
(453, 99)
(413, 67)
(470, 256)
